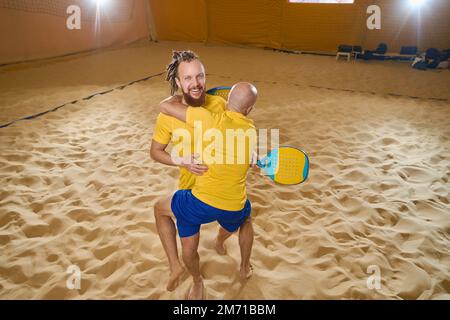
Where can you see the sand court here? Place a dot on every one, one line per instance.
(78, 185)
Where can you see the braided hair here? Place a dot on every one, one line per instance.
(172, 68)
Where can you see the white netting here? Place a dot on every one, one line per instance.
(114, 10)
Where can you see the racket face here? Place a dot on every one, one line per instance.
(286, 165)
(220, 91)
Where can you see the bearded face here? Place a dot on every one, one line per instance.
(191, 80)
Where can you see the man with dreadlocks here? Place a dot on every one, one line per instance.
(220, 193)
(187, 73)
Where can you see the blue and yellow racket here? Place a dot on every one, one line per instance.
(220, 91)
(286, 165)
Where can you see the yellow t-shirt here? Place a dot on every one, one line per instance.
(164, 134)
(229, 139)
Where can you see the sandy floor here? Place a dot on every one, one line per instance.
(78, 186)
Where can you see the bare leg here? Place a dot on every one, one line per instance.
(221, 237)
(192, 261)
(246, 242)
(167, 233)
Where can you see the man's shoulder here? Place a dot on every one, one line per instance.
(161, 117)
(168, 121)
(164, 119)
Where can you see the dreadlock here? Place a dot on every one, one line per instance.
(172, 68)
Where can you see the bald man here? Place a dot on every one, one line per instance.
(220, 193)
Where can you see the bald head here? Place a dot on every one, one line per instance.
(242, 97)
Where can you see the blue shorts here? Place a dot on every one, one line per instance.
(192, 212)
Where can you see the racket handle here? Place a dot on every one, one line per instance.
(264, 164)
(259, 164)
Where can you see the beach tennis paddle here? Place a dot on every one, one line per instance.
(220, 91)
(285, 165)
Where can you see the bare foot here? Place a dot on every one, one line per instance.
(174, 278)
(246, 272)
(196, 291)
(220, 248)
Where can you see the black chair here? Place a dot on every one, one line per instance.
(408, 50)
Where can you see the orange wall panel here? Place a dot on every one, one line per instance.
(313, 27)
(180, 19)
(33, 34)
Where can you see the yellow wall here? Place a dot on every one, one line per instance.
(180, 19)
(245, 22)
(314, 27)
(320, 27)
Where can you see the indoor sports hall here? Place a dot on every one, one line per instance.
(362, 87)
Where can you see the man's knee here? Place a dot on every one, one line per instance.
(157, 208)
(189, 246)
(189, 253)
(161, 207)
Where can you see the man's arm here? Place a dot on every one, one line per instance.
(158, 153)
(174, 107)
